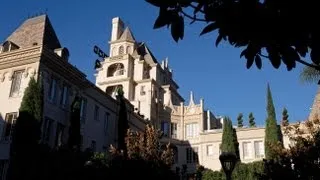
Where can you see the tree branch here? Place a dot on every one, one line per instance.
(192, 18)
(194, 7)
(298, 60)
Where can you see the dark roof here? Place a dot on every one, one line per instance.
(127, 35)
(37, 30)
(145, 52)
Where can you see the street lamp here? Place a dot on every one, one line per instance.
(228, 161)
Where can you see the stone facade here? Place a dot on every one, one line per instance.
(152, 95)
(33, 50)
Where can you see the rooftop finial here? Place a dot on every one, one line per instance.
(191, 103)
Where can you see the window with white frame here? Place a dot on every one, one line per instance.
(96, 113)
(247, 150)
(64, 96)
(16, 83)
(83, 110)
(192, 130)
(259, 149)
(53, 89)
(9, 124)
(174, 130)
(165, 128)
(210, 150)
(106, 122)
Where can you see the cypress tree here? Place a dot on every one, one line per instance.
(285, 116)
(123, 125)
(271, 130)
(74, 129)
(252, 123)
(240, 120)
(229, 138)
(27, 132)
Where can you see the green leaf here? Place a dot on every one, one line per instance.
(243, 53)
(219, 38)
(181, 27)
(258, 61)
(250, 60)
(289, 56)
(274, 57)
(163, 19)
(209, 28)
(175, 28)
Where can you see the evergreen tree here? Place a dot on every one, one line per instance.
(27, 131)
(74, 129)
(285, 120)
(240, 120)
(271, 130)
(252, 123)
(229, 138)
(123, 125)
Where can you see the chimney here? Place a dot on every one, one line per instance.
(208, 120)
(117, 28)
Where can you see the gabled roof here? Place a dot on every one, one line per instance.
(144, 51)
(37, 30)
(127, 35)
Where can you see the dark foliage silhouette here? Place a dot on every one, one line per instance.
(282, 31)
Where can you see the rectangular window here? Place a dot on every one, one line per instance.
(192, 155)
(47, 129)
(165, 128)
(259, 149)
(209, 150)
(59, 135)
(64, 96)
(83, 110)
(96, 113)
(247, 151)
(9, 123)
(192, 130)
(93, 145)
(3, 169)
(174, 130)
(16, 83)
(53, 89)
(106, 122)
(142, 90)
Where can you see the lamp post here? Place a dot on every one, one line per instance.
(228, 161)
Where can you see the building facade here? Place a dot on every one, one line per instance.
(34, 50)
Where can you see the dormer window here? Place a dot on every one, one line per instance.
(121, 50)
(128, 50)
(8, 46)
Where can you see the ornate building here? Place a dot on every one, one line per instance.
(33, 49)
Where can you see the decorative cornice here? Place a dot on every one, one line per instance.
(113, 81)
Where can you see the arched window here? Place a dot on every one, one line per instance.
(116, 69)
(128, 51)
(121, 50)
(113, 90)
(114, 51)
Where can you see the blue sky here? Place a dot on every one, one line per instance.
(216, 74)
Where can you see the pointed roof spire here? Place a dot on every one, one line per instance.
(191, 103)
(37, 30)
(127, 35)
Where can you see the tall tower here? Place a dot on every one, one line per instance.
(117, 70)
